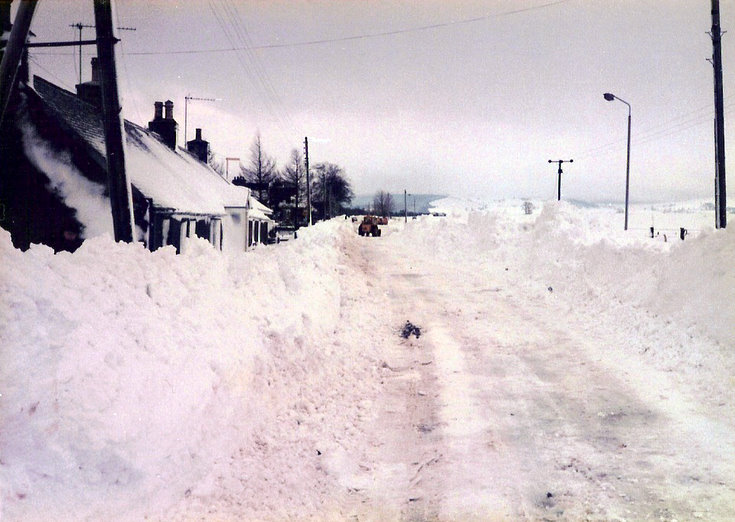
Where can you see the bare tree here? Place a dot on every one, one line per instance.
(383, 203)
(262, 170)
(295, 174)
(216, 163)
(332, 190)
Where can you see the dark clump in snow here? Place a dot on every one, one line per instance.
(410, 329)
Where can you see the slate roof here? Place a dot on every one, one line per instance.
(175, 180)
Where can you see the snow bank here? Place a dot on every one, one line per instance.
(585, 254)
(112, 358)
(137, 384)
(664, 298)
(691, 281)
(129, 376)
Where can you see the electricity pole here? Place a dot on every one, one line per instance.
(405, 207)
(80, 26)
(13, 51)
(117, 180)
(308, 181)
(558, 184)
(720, 192)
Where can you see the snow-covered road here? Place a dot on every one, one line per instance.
(563, 371)
(514, 405)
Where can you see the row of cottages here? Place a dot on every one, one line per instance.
(54, 182)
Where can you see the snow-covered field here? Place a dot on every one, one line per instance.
(565, 370)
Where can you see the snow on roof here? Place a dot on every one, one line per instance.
(255, 204)
(172, 179)
(236, 196)
(259, 211)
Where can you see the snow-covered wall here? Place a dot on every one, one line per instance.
(585, 254)
(124, 373)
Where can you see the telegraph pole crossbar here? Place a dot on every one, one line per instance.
(80, 26)
(558, 183)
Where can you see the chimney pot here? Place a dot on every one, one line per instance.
(169, 110)
(166, 126)
(199, 147)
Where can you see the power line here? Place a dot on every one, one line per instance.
(127, 73)
(662, 130)
(236, 33)
(51, 73)
(363, 36)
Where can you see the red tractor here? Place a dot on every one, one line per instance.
(369, 227)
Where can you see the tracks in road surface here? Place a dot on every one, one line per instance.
(507, 409)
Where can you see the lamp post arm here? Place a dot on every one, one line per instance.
(625, 102)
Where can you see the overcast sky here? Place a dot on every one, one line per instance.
(461, 97)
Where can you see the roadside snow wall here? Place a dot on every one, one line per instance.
(674, 302)
(584, 255)
(126, 375)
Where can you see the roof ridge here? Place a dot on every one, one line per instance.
(61, 90)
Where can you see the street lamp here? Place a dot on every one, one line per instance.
(611, 97)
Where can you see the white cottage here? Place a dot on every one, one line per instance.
(176, 194)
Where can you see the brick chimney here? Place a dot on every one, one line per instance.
(91, 91)
(198, 147)
(169, 105)
(164, 126)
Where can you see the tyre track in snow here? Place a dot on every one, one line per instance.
(526, 420)
(403, 448)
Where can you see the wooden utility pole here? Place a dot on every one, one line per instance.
(13, 52)
(308, 181)
(117, 181)
(405, 206)
(720, 189)
(81, 26)
(560, 172)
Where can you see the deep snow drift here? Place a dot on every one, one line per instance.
(137, 384)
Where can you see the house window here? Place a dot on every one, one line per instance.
(203, 230)
(215, 232)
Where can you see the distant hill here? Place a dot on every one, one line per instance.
(423, 201)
